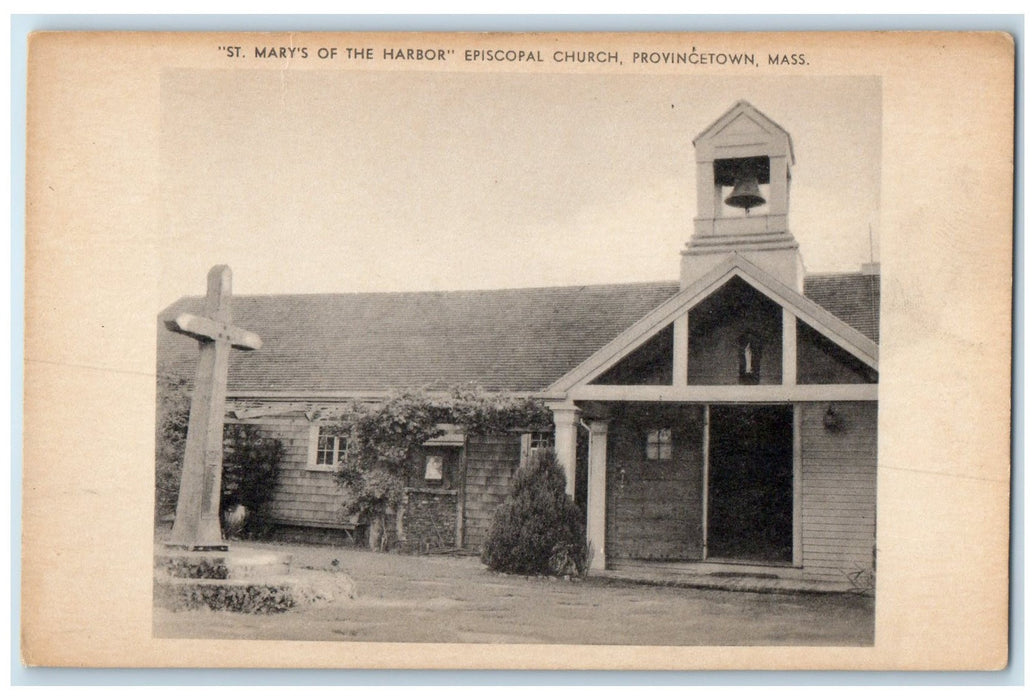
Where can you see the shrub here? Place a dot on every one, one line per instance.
(170, 439)
(537, 529)
(251, 462)
(231, 596)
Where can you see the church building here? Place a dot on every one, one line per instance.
(725, 423)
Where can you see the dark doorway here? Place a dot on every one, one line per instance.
(751, 483)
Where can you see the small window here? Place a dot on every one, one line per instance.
(540, 441)
(659, 444)
(534, 443)
(331, 448)
(433, 468)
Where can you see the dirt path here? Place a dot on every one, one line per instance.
(455, 599)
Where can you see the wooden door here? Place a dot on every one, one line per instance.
(654, 484)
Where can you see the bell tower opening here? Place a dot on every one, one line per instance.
(742, 186)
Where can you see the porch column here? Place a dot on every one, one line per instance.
(596, 505)
(565, 438)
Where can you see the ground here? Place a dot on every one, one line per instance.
(404, 598)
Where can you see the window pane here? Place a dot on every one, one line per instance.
(330, 448)
(541, 439)
(659, 443)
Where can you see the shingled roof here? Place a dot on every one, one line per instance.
(853, 297)
(500, 340)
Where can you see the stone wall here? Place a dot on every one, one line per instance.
(429, 520)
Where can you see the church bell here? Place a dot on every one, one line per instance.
(745, 194)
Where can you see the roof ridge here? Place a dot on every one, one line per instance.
(857, 273)
(299, 295)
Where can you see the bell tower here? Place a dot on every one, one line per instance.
(744, 164)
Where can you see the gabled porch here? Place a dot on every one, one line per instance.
(731, 430)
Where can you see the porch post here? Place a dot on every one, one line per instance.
(565, 438)
(797, 553)
(596, 505)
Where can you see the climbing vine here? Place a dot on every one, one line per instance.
(385, 439)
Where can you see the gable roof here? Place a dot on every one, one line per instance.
(519, 340)
(743, 110)
(500, 340)
(733, 265)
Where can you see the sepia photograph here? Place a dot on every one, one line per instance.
(639, 460)
(496, 345)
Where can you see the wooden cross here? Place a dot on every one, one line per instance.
(196, 527)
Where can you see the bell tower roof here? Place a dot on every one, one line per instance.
(743, 130)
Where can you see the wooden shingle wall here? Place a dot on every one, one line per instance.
(839, 490)
(303, 496)
(491, 463)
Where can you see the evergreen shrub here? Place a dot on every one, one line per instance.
(538, 529)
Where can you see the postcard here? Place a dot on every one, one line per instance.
(518, 351)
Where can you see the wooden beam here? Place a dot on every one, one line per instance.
(789, 372)
(854, 341)
(734, 393)
(206, 329)
(196, 526)
(332, 396)
(680, 349)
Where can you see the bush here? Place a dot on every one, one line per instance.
(538, 529)
(231, 596)
(251, 463)
(170, 439)
(251, 466)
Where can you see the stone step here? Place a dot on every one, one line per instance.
(248, 563)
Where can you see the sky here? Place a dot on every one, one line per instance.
(340, 181)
